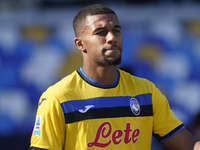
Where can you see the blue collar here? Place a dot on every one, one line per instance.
(95, 83)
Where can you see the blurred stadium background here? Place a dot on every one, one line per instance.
(161, 41)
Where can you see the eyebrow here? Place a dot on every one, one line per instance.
(118, 26)
(101, 28)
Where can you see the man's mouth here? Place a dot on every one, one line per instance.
(113, 48)
(112, 51)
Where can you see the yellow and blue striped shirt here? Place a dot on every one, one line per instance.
(78, 113)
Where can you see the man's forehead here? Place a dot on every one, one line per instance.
(101, 20)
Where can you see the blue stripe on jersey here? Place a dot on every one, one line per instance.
(173, 134)
(170, 134)
(105, 102)
(95, 83)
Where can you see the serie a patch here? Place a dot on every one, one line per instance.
(37, 127)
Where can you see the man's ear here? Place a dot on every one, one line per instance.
(79, 44)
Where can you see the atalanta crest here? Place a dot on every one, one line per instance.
(135, 106)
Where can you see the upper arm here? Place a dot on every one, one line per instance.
(183, 140)
(165, 123)
(49, 129)
(167, 128)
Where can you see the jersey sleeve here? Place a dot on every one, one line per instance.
(166, 124)
(49, 129)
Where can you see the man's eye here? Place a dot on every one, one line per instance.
(100, 33)
(117, 31)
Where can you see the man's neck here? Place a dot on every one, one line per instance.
(105, 75)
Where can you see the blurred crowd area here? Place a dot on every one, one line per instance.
(161, 43)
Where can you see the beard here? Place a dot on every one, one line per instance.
(113, 62)
(109, 61)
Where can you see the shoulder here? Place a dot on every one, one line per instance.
(64, 87)
(138, 82)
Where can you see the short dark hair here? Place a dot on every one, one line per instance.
(94, 9)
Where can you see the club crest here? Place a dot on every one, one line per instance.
(135, 106)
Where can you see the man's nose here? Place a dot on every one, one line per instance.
(111, 38)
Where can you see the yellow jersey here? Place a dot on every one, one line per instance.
(78, 113)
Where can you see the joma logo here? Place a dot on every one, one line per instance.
(116, 136)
